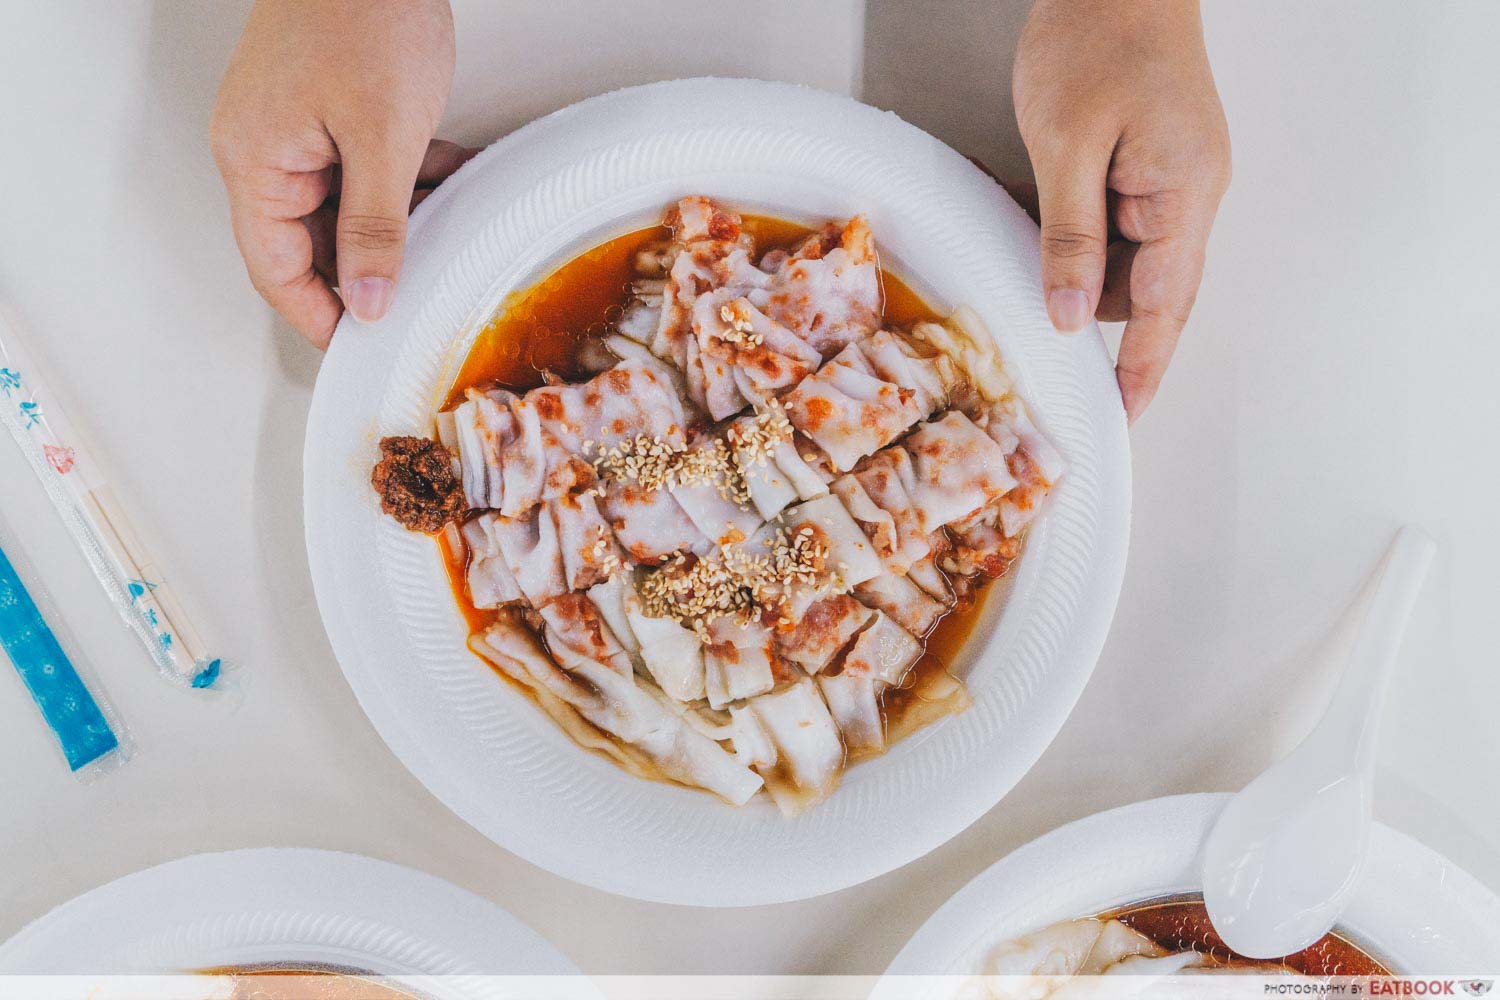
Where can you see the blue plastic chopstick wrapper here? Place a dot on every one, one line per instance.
(67, 705)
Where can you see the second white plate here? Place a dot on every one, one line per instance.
(1416, 911)
(283, 906)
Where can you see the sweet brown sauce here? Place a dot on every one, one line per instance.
(1182, 924)
(541, 330)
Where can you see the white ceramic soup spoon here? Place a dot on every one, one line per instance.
(1286, 851)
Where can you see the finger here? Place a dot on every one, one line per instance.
(1163, 284)
(1070, 193)
(1114, 300)
(322, 226)
(279, 257)
(371, 234)
(276, 194)
(1023, 193)
(442, 159)
(264, 208)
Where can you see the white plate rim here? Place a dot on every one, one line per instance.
(662, 843)
(262, 905)
(1413, 908)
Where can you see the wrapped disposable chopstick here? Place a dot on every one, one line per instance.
(84, 501)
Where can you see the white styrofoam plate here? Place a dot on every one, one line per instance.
(1416, 911)
(283, 906)
(531, 201)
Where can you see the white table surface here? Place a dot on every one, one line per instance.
(1336, 381)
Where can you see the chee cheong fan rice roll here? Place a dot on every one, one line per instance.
(719, 551)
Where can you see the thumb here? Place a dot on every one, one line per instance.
(1075, 229)
(370, 235)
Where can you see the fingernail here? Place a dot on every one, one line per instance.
(1135, 401)
(1069, 309)
(369, 298)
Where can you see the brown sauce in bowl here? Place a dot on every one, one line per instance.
(1182, 924)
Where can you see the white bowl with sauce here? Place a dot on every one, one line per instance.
(1413, 912)
(572, 181)
(284, 908)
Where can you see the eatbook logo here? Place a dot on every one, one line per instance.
(1478, 987)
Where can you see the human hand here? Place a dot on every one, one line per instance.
(322, 132)
(1117, 106)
